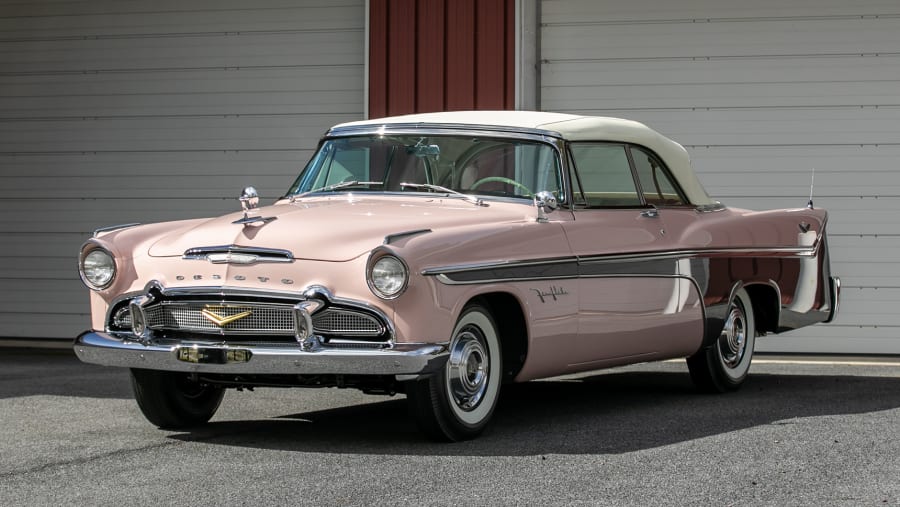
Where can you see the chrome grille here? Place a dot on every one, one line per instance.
(188, 316)
(264, 319)
(336, 321)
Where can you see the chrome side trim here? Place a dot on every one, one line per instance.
(114, 228)
(573, 267)
(461, 268)
(401, 359)
(556, 269)
(777, 251)
(446, 280)
(651, 266)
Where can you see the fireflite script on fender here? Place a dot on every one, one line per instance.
(552, 293)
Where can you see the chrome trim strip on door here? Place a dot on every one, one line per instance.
(651, 263)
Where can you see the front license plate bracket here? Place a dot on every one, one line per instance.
(207, 355)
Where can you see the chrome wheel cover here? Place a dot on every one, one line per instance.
(733, 342)
(468, 369)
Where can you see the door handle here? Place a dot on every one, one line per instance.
(650, 212)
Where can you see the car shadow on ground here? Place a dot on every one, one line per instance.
(604, 414)
(57, 372)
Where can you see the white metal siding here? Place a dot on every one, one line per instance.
(761, 93)
(132, 111)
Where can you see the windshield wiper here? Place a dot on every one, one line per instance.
(336, 186)
(437, 188)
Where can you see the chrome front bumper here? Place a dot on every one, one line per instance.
(401, 359)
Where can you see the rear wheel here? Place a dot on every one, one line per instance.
(173, 400)
(457, 402)
(724, 365)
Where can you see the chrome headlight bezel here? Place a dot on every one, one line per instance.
(387, 275)
(91, 257)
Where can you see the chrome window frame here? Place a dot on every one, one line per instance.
(634, 175)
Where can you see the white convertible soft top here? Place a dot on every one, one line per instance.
(571, 127)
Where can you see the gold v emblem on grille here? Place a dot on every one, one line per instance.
(221, 320)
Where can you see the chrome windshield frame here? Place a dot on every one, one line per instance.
(550, 138)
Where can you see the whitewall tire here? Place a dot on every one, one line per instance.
(724, 365)
(457, 402)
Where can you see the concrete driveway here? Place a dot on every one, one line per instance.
(800, 432)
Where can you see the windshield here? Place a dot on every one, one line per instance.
(471, 165)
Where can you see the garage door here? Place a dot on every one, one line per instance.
(761, 93)
(117, 112)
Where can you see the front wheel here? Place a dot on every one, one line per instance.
(724, 365)
(457, 402)
(173, 400)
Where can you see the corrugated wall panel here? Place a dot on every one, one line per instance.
(431, 45)
(440, 55)
(128, 111)
(761, 93)
(401, 61)
(461, 54)
(129, 18)
(239, 133)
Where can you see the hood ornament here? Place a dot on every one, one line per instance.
(249, 200)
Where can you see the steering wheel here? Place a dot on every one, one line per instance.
(501, 179)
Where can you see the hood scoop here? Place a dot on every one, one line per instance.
(234, 254)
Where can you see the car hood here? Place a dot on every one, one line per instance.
(334, 229)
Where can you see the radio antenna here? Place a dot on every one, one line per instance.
(811, 184)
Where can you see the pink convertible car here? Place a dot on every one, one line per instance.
(443, 255)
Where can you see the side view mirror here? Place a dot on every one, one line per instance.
(546, 203)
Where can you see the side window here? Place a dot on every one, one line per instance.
(605, 175)
(655, 181)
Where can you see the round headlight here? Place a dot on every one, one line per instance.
(98, 268)
(388, 277)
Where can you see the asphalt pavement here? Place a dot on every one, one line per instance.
(802, 431)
